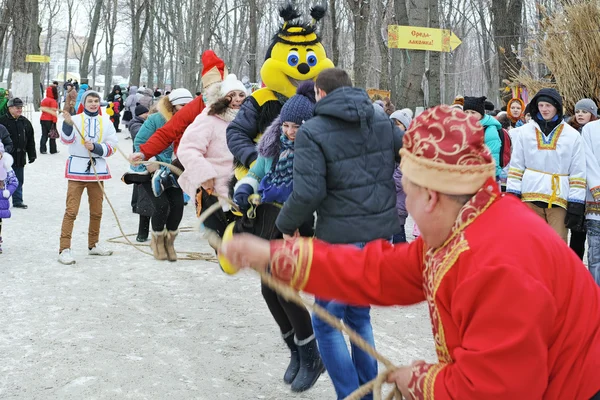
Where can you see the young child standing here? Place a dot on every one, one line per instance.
(98, 137)
(8, 185)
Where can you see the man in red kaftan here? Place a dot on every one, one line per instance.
(514, 312)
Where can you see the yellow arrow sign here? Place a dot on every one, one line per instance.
(37, 58)
(418, 38)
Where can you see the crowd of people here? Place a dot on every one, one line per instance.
(317, 181)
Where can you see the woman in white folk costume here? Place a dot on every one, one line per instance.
(547, 166)
(591, 143)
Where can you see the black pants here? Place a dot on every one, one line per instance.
(46, 126)
(577, 243)
(168, 208)
(116, 121)
(288, 315)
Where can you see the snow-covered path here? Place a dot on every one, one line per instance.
(130, 327)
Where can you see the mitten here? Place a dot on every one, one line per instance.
(575, 217)
(5, 193)
(240, 197)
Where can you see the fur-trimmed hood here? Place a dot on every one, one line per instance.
(163, 107)
(269, 145)
(211, 93)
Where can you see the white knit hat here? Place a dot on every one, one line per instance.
(180, 96)
(404, 116)
(231, 83)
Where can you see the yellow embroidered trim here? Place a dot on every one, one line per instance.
(592, 207)
(545, 198)
(429, 383)
(595, 191)
(578, 183)
(551, 142)
(305, 258)
(83, 129)
(515, 173)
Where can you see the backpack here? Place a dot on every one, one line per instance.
(505, 147)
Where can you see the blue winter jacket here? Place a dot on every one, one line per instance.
(492, 139)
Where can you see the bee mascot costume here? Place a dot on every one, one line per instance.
(295, 55)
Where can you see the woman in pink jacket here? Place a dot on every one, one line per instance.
(204, 154)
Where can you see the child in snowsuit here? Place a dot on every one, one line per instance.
(99, 139)
(8, 185)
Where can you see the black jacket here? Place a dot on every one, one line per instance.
(21, 134)
(5, 139)
(344, 160)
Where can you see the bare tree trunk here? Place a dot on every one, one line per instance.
(506, 16)
(400, 18)
(139, 28)
(110, 26)
(335, 35)
(434, 59)
(412, 94)
(69, 27)
(4, 38)
(360, 17)
(253, 44)
(35, 68)
(91, 41)
(21, 15)
(151, 52)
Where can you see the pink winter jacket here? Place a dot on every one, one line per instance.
(204, 154)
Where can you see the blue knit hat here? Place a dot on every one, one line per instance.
(299, 108)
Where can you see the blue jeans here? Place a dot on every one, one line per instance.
(346, 372)
(593, 234)
(399, 237)
(18, 194)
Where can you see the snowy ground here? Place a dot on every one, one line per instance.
(130, 327)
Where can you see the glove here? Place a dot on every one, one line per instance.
(5, 193)
(240, 197)
(575, 218)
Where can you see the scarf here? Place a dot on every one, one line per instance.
(277, 185)
(229, 114)
(547, 126)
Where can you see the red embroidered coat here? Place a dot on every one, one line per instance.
(515, 313)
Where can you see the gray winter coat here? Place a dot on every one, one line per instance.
(344, 162)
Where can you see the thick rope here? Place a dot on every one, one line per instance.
(290, 294)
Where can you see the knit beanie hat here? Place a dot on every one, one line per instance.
(16, 102)
(475, 104)
(180, 96)
(299, 108)
(86, 94)
(403, 117)
(231, 83)
(139, 110)
(213, 69)
(587, 105)
(444, 150)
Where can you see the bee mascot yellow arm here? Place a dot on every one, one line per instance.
(295, 55)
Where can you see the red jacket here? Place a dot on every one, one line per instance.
(50, 102)
(172, 131)
(515, 313)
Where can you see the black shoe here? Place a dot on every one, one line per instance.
(43, 152)
(56, 152)
(143, 229)
(311, 366)
(294, 367)
(118, 131)
(141, 239)
(20, 205)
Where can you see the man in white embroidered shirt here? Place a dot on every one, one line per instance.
(547, 166)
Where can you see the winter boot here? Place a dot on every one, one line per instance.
(158, 245)
(143, 229)
(170, 245)
(292, 369)
(311, 366)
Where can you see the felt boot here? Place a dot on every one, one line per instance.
(294, 367)
(170, 245)
(311, 366)
(157, 244)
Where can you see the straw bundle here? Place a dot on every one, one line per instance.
(569, 46)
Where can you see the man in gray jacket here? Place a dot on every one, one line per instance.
(344, 162)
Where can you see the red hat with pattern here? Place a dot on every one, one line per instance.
(213, 68)
(444, 150)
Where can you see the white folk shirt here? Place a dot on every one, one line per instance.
(98, 129)
(591, 144)
(548, 168)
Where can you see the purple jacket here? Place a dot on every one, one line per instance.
(400, 196)
(10, 183)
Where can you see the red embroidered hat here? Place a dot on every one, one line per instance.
(444, 150)
(213, 68)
